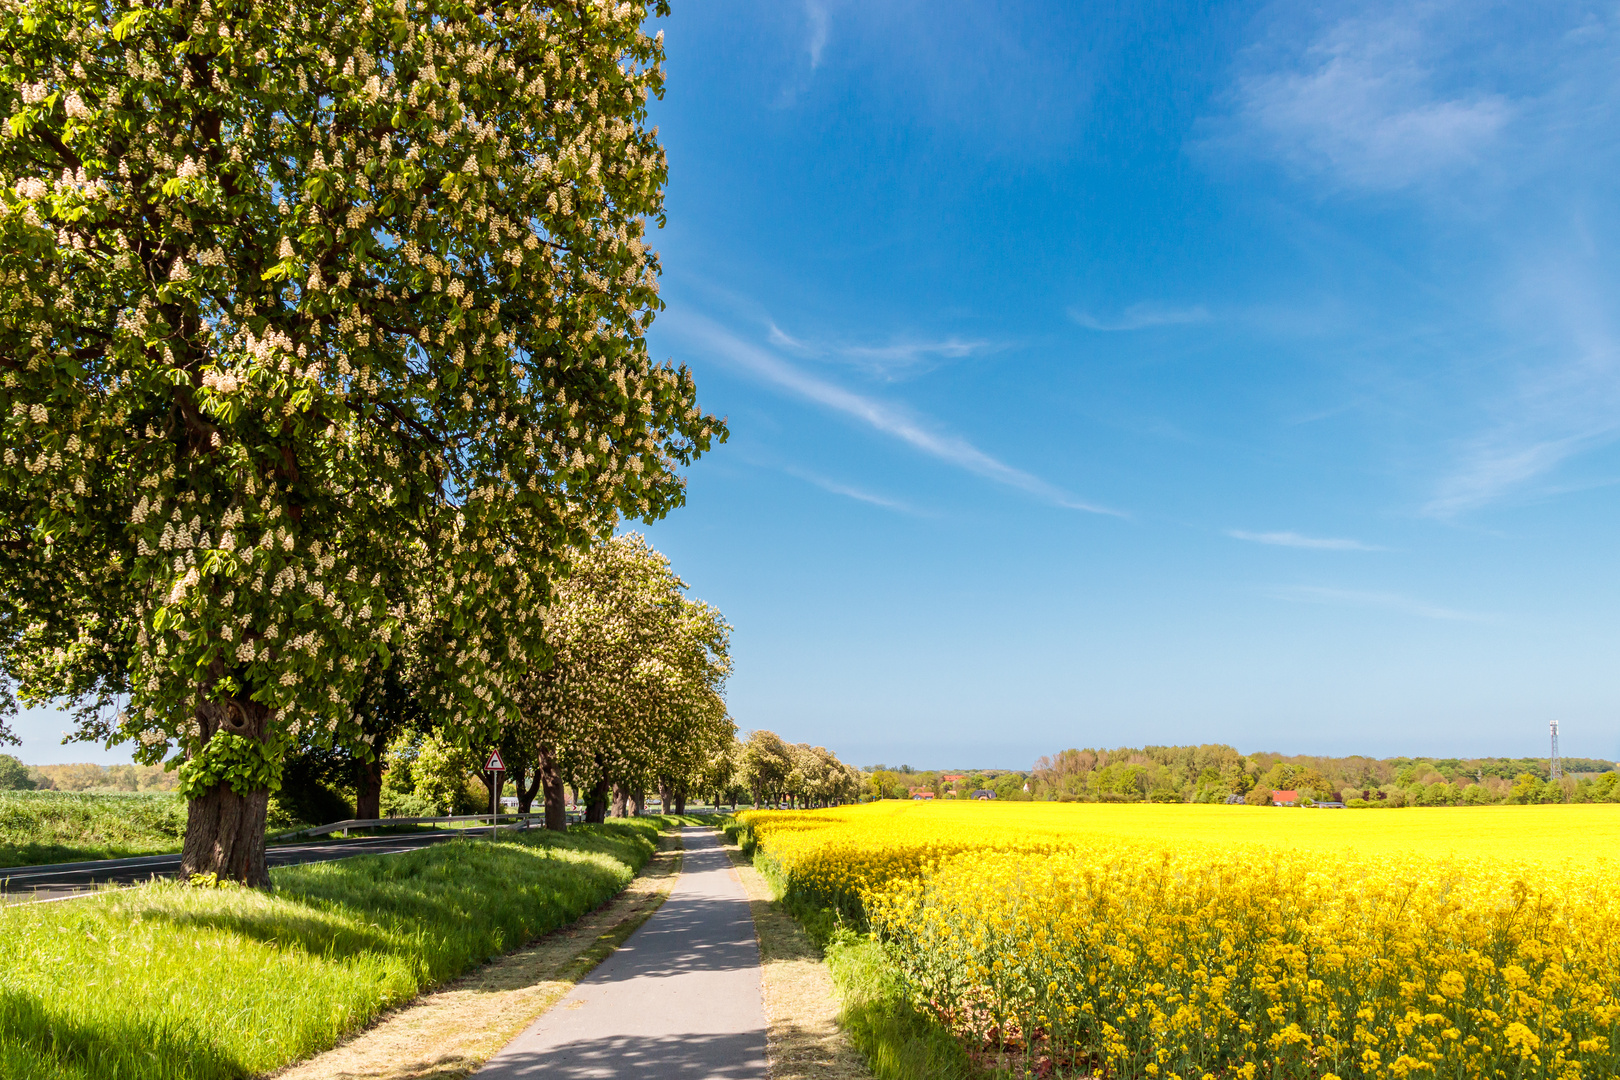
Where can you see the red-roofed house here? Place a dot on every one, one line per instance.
(1285, 798)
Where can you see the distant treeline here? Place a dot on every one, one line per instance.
(1216, 773)
(15, 776)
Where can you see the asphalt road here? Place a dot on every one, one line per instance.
(681, 1000)
(65, 879)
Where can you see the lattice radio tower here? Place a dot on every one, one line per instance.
(1557, 762)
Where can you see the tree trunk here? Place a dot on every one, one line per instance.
(680, 800)
(368, 791)
(516, 774)
(640, 801)
(527, 789)
(596, 809)
(550, 780)
(665, 798)
(224, 830)
(621, 800)
(488, 780)
(494, 783)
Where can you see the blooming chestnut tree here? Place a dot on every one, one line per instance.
(305, 306)
(634, 687)
(763, 765)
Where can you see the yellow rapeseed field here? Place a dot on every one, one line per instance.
(1198, 942)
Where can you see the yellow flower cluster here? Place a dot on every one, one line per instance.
(1198, 942)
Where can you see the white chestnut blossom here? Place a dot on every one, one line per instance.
(305, 310)
(634, 694)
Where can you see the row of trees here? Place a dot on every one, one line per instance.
(630, 701)
(766, 769)
(322, 359)
(425, 775)
(1216, 772)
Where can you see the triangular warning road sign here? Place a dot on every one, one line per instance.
(494, 764)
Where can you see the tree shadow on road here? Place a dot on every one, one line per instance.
(738, 1056)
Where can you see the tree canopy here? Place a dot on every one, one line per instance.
(633, 692)
(306, 307)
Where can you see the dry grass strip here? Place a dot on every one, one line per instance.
(804, 1040)
(448, 1034)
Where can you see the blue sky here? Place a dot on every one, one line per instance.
(1111, 374)
(1149, 373)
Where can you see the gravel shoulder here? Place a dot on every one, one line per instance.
(450, 1033)
(801, 1002)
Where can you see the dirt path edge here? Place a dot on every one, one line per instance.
(803, 1041)
(448, 1033)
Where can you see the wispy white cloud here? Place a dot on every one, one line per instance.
(1296, 540)
(1141, 317)
(890, 360)
(1387, 601)
(806, 51)
(890, 419)
(1360, 105)
(1513, 146)
(816, 15)
(1495, 465)
(909, 352)
(779, 337)
(1563, 401)
(835, 488)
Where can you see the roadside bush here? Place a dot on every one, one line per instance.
(406, 804)
(306, 799)
(14, 775)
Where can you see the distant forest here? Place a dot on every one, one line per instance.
(1218, 773)
(85, 777)
(1215, 772)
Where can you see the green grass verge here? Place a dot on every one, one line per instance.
(899, 1040)
(72, 826)
(169, 982)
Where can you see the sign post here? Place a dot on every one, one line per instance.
(496, 767)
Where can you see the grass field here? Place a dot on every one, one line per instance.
(1160, 941)
(166, 981)
(69, 826)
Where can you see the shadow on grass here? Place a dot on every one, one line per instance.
(42, 1043)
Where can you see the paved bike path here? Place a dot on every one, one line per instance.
(680, 1000)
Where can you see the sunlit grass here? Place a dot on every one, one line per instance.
(67, 826)
(166, 981)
